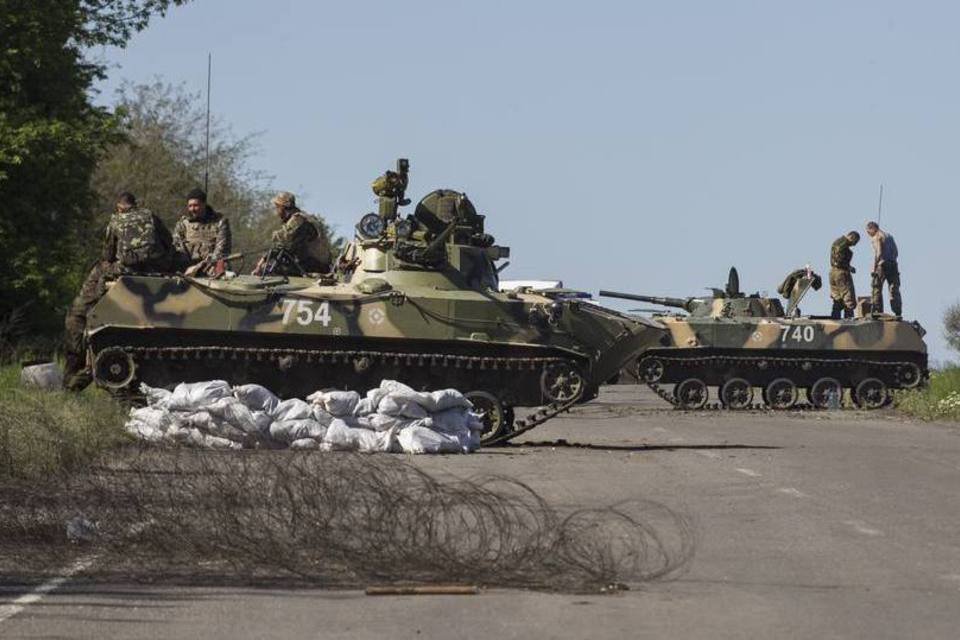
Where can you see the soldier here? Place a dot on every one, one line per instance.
(885, 268)
(302, 237)
(841, 281)
(201, 236)
(136, 241)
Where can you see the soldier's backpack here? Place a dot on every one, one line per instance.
(143, 243)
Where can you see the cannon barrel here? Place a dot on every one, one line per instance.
(680, 303)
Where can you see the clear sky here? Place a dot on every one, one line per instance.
(637, 146)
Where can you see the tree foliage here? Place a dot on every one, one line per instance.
(951, 326)
(51, 137)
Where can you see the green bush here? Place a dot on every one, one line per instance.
(940, 400)
(43, 433)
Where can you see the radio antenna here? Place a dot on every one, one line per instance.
(880, 204)
(206, 161)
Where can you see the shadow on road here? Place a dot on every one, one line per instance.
(564, 444)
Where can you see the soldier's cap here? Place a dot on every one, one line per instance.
(854, 236)
(284, 199)
(197, 194)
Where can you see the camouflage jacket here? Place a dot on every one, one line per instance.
(137, 240)
(303, 236)
(841, 254)
(204, 238)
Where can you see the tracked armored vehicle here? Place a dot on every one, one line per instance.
(736, 343)
(412, 298)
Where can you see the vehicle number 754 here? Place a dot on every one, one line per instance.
(306, 312)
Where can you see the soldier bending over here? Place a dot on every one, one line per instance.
(841, 279)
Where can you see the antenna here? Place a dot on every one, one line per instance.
(880, 204)
(206, 161)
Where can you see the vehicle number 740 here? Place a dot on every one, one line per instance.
(306, 312)
(797, 333)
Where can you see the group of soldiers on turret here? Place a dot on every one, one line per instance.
(885, 270)
(137, 241)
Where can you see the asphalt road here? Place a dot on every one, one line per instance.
(840, 525)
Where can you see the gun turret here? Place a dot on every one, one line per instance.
(687, 304)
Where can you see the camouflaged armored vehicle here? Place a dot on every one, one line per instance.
(412, 298)
(735, 343)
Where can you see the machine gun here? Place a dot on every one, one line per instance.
(391, 188)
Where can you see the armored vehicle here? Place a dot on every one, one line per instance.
(736, 342)
(413, 298)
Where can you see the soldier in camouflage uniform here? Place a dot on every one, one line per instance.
(302, 237)
(201, 236)
(842, 291)
(136, 242)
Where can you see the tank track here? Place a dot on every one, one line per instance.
(764, 363)
(539, 416)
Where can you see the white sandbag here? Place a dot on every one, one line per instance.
(383, 422)
(444, 399)
(337, 403)
(366, 407)
(236, 413)
(416, 439)
(148, 424)
(210, 425)
(293, 409)
(156, 396)
(194, 396)
(291, 430)
(215, 442)
(376, 441)
(256, 397)
(340, 437)
(452, 421)
(263, 421)
(305, 443)
(399, 405)
(46, 376)
(322, 416)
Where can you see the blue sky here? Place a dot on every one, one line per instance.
(639, 146)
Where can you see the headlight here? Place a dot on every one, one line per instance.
(370, 226)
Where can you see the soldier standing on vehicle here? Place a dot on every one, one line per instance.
(302, 238)
(136, 242)
(841, 279)
(885, 269)
(201, 236)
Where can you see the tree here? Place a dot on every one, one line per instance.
(951, 326)
(161, 157)
(51, 137)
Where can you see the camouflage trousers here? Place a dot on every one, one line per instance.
(842, 293)
(77, 374)
(889, 273)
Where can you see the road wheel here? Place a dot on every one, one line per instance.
(908, 376)
(561, 382)
(871, 393)
(650, 370)
(781, 394)
(113, 368)
(495, 417)
(826, 393)
(691, 394)
(736, 393)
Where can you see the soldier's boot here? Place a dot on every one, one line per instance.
(837, 309)
(848, 312)
(896, 305)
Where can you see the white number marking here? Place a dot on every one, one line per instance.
(305, 313)
(797, 333)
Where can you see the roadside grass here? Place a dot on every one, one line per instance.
(940, 400)
(43, 433)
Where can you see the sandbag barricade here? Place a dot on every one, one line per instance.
(391, 418)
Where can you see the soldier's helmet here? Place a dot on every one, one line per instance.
(285, 199)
